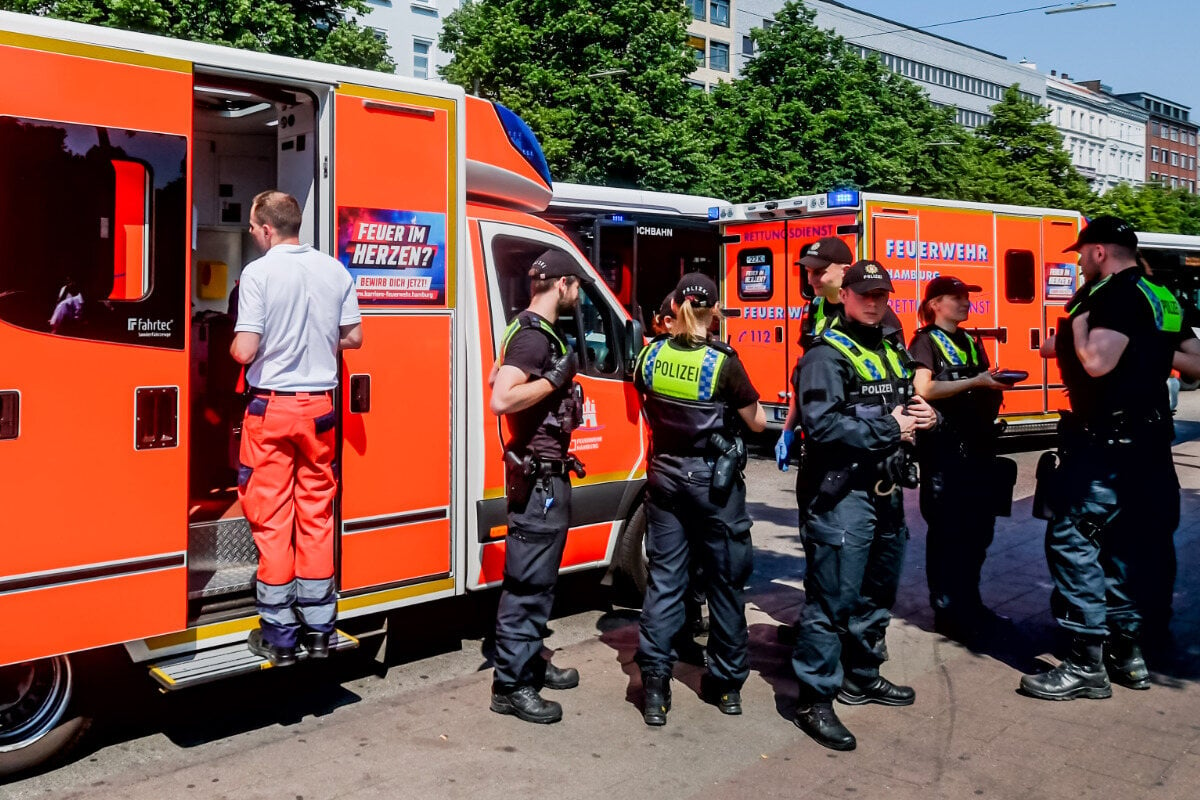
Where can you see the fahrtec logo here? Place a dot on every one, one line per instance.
(149, 327)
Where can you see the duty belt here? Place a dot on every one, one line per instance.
(556, 467)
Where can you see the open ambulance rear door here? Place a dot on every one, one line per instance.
(94, 188)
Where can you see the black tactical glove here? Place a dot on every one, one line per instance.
(562, 370)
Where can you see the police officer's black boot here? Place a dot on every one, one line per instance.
(880, 690)
(820, 722)
(657, 700)
(726, 698)
(559, 677)
(1081, 674)
(1124, 661)
(525, 703)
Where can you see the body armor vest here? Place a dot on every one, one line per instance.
(568, 413)
(680, 396)
(882, 379)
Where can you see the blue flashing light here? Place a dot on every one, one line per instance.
(524, 140)
(616, 217)
(714, 213)
(842, 198)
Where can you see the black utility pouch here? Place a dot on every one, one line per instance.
(1047, 493)
(518, 479)
(1004, 479)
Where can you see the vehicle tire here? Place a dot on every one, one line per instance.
(631, 556)
(1189, 384)
(40, 714)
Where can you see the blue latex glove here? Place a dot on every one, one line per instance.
(783, 448)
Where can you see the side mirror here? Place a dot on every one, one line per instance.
(635, 340)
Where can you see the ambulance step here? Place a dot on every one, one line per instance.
(206, 666)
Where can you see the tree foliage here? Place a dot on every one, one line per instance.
(1018, 158)
(1151, 208)
(810, 113)
(324, 30)
(600, 81)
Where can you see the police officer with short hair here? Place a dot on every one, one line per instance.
(958, 492)
(1115, 497)
(695, 396)
(533, 387)
(858, 411)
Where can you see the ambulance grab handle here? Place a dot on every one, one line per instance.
(360, 394)
(398, 108)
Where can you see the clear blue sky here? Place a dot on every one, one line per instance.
(1140, 45)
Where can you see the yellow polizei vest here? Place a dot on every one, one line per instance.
(954, 354)
(869, 365)
(680, 374)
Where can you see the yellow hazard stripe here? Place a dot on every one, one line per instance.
(99, 52)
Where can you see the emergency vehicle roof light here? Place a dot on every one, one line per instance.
(842, 198)
(714, 213)
(524, 140)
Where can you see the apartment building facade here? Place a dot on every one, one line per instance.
(1170, 141)
(412, 28)
(1105, 135)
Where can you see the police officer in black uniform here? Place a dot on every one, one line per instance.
(958, 495)
(824, 262)
(859, 415)
(696, 396)
(1115, 496)
(534, 387)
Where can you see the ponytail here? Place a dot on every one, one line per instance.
(692, 324)
(926, 311)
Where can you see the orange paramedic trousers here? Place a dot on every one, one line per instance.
(286, 483)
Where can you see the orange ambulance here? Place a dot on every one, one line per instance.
(127, 167)
(1015, 253)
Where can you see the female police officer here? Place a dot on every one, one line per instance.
(956, 457)
(694, 390)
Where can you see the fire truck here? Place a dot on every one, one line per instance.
(127, 167)
(1015, 253)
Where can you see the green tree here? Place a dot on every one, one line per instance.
(1151, 207)
(810, 113)
(1019, 159)
(324, 30)
(601, 82)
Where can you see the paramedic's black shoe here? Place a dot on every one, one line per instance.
(1125, 664)
(821, 723)
(881, 691)
(657, 700)
(278, 656)
(725, 698)
(559, 678)
(317, 644)
(525, 703)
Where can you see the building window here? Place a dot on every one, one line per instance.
(698, 9)
(1174, 159)
(1192, 139)
(1154, 154)
(1154, 177)
(718, 12)
(718, 56)
(421, 58)
(747, 46)
(697, 44)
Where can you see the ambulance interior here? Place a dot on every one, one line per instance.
(248, 137)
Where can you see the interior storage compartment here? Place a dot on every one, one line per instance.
(248, 138)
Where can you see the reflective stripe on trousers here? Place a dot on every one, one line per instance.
(287, 486)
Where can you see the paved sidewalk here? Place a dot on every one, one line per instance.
(968, 735)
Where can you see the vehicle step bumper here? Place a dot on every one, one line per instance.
(205, 666)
